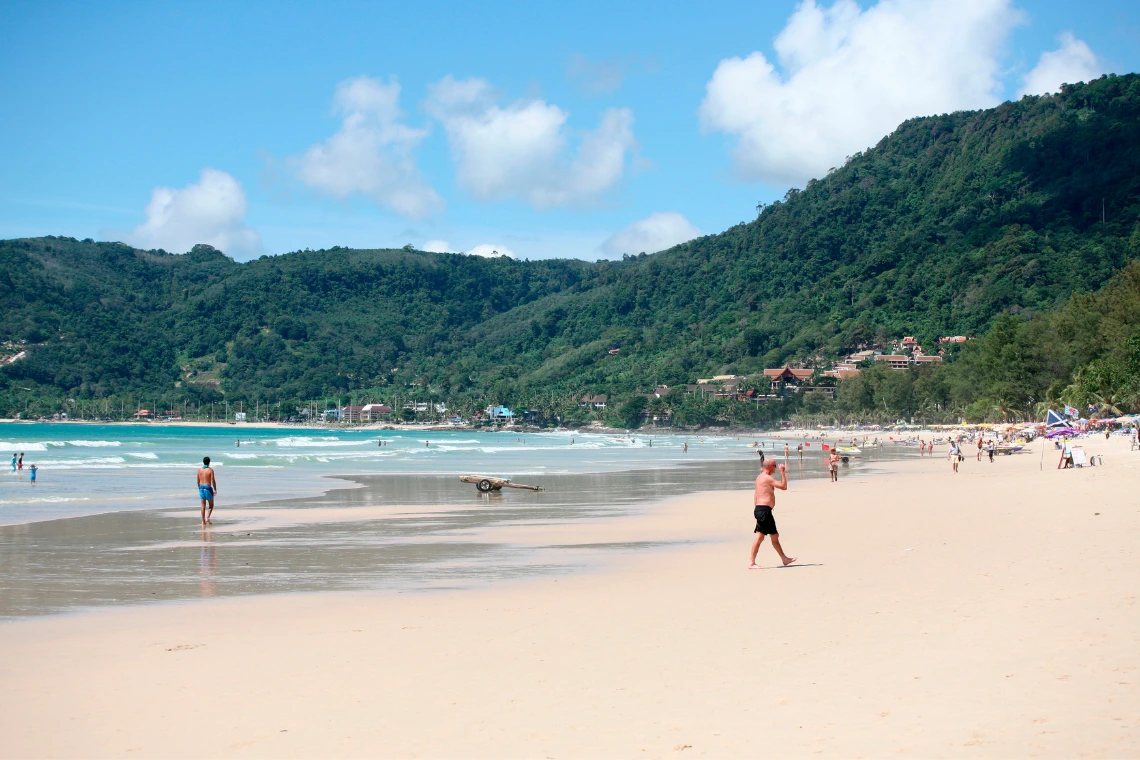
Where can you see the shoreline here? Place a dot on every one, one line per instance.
(805, 433)
(899, 633)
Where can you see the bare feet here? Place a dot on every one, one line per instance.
(754, 566)
(788, 561)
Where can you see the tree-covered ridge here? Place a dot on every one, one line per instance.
(947, 223)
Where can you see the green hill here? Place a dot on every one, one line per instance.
(947, 223)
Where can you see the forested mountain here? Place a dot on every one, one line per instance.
(947, 223)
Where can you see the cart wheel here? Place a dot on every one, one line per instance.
(484, 485)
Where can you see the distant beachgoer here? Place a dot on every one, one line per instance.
(427, 444)
(207, 488)
(764, 500)
(762, 457)
(786, 452)
(686, 451)
(13, 463)
(990, 450)
(979, 448)
(32, 471)
(20, 462)
(239, 443)
(955, 455)
(833, 465)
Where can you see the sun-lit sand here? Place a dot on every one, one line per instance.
(990, 613)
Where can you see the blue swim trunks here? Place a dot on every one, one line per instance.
(205, 492)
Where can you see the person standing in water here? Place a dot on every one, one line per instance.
(764, 500)
(787, 451)
(32, 471)
(833, 465)
(13, 462)
(20, 462)
(686, 449)
(207, 489)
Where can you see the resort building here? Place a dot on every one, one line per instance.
(841, 372)
(375, 411)
(597, 402)
(350, 413)
(499, 414)
(897, 361)
(787, 374)
(862, 356)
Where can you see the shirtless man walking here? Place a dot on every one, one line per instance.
(207, 488)
(765, 501)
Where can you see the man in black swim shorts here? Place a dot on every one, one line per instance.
(764, 500)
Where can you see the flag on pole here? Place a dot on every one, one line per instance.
(1072, 411)
(1052, 419)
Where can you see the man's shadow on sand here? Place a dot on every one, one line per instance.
(795, 564)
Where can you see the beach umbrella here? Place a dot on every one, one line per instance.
(1060, 431)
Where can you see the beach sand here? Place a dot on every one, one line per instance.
(990, 613)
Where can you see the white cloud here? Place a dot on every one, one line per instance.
(371, 153)
(211, 211)
(437, 246)
(486, 249)
(522, 150)
(1073, 62)
(656, 232)
(851, 76)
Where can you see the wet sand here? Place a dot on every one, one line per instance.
(990, 613)
(390, 532)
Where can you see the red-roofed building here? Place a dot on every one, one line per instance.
(787, 374)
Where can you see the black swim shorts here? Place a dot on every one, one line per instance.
(765, 523)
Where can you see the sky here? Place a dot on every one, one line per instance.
(537, 130)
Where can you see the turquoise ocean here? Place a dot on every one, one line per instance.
(88, 469)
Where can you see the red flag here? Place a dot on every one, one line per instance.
(826, 448)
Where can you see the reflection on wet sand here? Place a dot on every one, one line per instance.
(207, 564)
(395, 532)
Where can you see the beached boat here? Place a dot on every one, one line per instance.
(848, 450)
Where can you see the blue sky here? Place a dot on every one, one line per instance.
(531, 128)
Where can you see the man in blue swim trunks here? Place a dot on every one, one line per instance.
(207, 487)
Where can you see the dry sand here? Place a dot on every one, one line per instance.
(986, 614)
